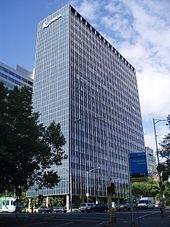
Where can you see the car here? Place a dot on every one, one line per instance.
(100, 208)
(124, 206)
(44, 209)
(146, 202)
(86, 207)
(59, 210)
(156, 204)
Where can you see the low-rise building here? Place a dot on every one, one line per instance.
(15, 77)
(151, 161)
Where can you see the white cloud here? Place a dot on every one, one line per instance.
(88, 9)
(154, 93)
(153, 78)
(150, 55)
(119, 25)
(145, 32)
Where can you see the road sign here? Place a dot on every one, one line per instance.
(138, 166)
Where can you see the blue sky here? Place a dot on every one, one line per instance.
(139, 29)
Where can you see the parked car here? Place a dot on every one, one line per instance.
(44, 209)
(124, 206)
(146, 202)
(59, 210)
(86, 207)
(100, 208)
(157, 204)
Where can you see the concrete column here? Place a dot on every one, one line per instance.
(47, 201)
(67, 203)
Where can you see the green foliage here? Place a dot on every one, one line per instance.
(149, 188)
(165, 153)
(34, 203)
(27, 148)
(24, 199)
(57, 201)
(40, 200)
(165, 147)
(167, 193)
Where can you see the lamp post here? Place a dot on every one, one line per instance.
(78, 120)
(155, 121)
(88, 172)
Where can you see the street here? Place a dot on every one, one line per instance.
(144, 218)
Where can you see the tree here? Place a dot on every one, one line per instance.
(147, 188)
(165, 154)
(164, 167)
(57, 201)
(27, 148)
(167, 193)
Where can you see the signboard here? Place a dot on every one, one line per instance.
(138, 166)
(47, 23)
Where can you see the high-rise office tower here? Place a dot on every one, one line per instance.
(15, 77)
(84, 83)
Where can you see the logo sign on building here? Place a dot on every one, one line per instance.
(138, 166)
(47, 23)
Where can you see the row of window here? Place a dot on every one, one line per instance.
(85, 24)
(10, 79)
(15, 75)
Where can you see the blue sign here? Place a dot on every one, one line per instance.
(138, 165)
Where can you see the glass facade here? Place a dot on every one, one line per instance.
(15, 77)
(51, 85)
(83, 82)
(151, 162)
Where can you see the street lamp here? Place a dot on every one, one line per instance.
(103, 119)
(155, 121)
(88, 172)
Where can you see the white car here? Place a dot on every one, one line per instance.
(86, 207)
(146, 202)
(59, 210)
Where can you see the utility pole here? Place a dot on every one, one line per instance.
(155, 121)
(88, 172)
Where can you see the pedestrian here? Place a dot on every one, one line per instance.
(162, 208)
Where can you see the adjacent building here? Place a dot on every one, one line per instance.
(84, 83)
(151, 162)
(15, 77)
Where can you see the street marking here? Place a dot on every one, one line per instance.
(67, 223)
(80, 220)
(101, 223)
(35, 223)
(147, 215)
